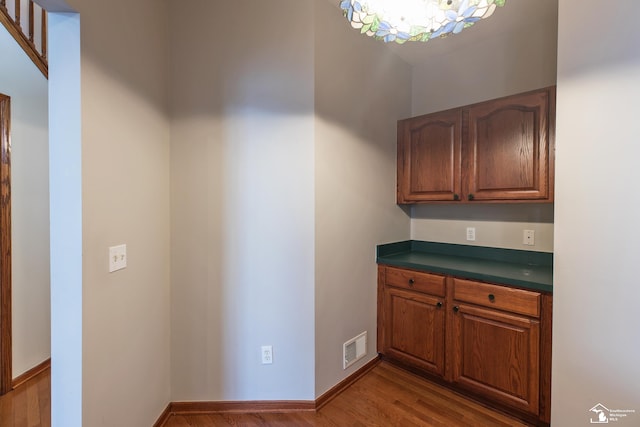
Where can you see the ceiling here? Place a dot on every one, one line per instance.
(515, 16)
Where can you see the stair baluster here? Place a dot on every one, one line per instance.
(25, 33)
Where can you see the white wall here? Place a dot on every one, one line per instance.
(362, 89)
(125, 199)
(242, 200)
(24, 83)
(65, 194)
(596, 343)
(515, 60)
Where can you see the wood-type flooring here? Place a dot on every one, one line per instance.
(385, 396)
(29, 405)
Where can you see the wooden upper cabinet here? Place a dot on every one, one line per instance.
(507, 148)
(495, 151)
(429, 157)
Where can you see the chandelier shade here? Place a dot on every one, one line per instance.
(401, 21)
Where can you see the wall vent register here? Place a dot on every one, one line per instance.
(354, 349)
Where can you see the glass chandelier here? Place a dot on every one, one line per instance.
(415, 20)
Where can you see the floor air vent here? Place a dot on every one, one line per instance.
(355, 349)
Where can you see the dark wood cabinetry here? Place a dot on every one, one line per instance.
(414, 319)
(496, 347)
(430, 157)
(488, 340)
(495, 151)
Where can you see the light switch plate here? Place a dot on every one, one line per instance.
(117, 258)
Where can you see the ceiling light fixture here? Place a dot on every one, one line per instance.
(415, 20)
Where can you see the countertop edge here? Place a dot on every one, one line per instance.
(392, 254)
(498, 280)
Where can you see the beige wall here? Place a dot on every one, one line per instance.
(242, 200)
(361, 90)
(125, 199)
(596, 294)
(249, 119)
(515, 60)
(490, 65)
(280, 160)
(27, 87)
(498, 226)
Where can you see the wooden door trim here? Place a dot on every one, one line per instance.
(5, 246)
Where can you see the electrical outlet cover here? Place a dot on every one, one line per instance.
(267, 354)
(471, 233)
(529, 238)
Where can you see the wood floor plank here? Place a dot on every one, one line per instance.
(33, 406)
(44, 393)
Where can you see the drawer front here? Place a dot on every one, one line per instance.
(499, 297)
(433, 284)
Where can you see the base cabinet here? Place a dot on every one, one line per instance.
(491, 341)
(496, 355)
(415, 329)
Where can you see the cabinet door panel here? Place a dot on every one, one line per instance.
(415, 329)
(497, 355)
(429, 157)
(507, 148)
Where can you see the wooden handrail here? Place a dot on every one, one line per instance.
(26, 37)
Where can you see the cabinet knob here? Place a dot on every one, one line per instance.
(456, 309)
(411, 282)
(492, 297)
(456, 197)
(470, 197)
(439, 304)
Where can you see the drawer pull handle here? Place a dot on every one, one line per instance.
(411, 282)
(470, 197)
(456, 309)
(439, 304)
(492, 297)
(456, 197)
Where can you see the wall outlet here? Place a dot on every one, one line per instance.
(471, 233)
(117, 258)
(529, 238)
(267, 355)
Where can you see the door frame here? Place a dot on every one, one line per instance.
(5, 246)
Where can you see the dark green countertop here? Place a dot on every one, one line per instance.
(526, 269)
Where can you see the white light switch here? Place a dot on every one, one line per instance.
(117, 258)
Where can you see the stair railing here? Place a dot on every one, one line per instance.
(27, 23)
